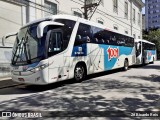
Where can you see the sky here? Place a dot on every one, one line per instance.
(143, 10)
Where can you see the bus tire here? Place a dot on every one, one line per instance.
(79, 72)
(126, 65)
(152, 61)
(143, 62)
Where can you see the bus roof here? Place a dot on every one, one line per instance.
(69, 17)
(137, 40)
(74, 18)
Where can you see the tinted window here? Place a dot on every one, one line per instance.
(102, 36)
(67, 30)
(147, 46)
(97, 35)
(92, 34)
(84, 34)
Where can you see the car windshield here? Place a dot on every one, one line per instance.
(28, 48)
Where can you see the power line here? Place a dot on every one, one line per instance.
(95, 9)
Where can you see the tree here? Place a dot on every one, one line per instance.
(154, 36)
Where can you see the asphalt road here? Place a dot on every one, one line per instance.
(137, 89)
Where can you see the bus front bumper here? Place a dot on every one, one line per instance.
(35, 78)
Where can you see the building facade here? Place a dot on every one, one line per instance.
(122, 15)
(143, 22)
(152, 15)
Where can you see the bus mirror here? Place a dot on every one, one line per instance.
(7, 36)
(42, 25)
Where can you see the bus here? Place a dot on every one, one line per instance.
(145, 52)
(63, 47)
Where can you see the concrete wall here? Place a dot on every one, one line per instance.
(12, 17)
(104, 13)
(5, 58)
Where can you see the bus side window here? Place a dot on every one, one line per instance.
(83, 34)
(97, 35)
(67, 31)
(106, 37)
(113, 39)
(55, 43)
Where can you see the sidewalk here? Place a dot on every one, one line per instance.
(5, 78)
(7, 82)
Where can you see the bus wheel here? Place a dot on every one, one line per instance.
(79, 72)
(125, 65)
(152, 61)
(143, 62)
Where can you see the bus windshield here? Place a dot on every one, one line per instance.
(28, 48)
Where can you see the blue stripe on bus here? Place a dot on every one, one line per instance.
(80, 50)
(109, 64)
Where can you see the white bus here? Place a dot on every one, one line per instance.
(145, 52)
(63, 47)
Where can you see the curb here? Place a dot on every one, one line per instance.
(3, 87)
(5, 78)
(7, 82)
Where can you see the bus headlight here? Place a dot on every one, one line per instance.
(39, 68)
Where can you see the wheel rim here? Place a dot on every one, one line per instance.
(79, 73)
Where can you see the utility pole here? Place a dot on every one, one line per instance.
(85, 10)
(88, 8)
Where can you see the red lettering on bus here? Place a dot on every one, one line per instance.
(112, 53)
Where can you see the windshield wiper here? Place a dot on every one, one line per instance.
(21, 48)
(17, 47)
(27, 49)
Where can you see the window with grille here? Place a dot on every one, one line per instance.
(115, 5)
(139, 20)
(126, 10)
(77, 14)
(50, 8)
(134, 15)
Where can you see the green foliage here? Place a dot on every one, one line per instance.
(153, 36)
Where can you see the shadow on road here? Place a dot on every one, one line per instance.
(89, 95)
(25, 89)
(152, 67)
(151, 78)
(84, 97)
